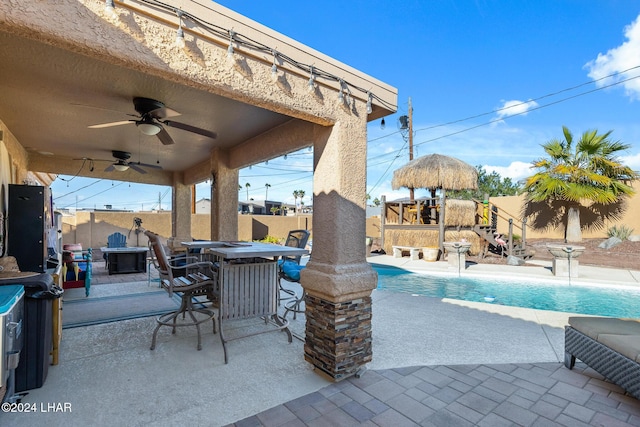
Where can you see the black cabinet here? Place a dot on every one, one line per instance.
(28, 221)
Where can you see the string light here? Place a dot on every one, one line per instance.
(340, 99)
(311, 86)
(230, 51)
(369, 108)
(274, 67)
(180, 43)
(344, 94)
(110, 10)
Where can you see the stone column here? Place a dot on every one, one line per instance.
(338, 280)
(224, 198)
(180, 213)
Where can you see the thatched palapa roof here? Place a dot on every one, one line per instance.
(436, 171)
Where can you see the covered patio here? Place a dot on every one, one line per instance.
(209, 92)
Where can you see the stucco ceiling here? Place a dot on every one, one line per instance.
(49, 96)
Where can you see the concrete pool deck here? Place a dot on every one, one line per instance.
(436, 362)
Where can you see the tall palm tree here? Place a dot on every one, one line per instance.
(589, 171)
(247, 185)
(301, 194)
(266, 191)
(296, 194)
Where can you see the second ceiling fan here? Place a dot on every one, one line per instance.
(152, 116)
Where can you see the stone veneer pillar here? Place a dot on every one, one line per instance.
(338, 336)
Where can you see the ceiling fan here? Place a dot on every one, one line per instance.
(152, 115)
(121, 163)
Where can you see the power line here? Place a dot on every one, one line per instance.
(531, 109)
(542, 97)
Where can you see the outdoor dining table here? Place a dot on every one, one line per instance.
(247, 282)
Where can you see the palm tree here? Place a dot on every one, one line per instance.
(588, 171)
(296, 194)
(266, 191)
(247, 185)
(301, 195)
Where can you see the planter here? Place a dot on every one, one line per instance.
(430, 254)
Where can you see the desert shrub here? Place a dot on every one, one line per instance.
(270, 239)
(622, 232)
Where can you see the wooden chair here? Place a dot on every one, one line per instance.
(199, 281)
(115, 240)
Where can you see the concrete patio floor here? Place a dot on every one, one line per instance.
(436, 362)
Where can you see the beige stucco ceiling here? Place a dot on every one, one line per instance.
(58, 76)
(50, 96)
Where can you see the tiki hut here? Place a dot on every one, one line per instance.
(436, 172)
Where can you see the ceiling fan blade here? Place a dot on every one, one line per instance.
(147, 165)
(163, 113)
(190, 128)
(107, 125)
(164, 137)
(109, 168)
(137, 168)
(76, 104)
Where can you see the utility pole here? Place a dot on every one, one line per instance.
(406, 129)
(411, 194)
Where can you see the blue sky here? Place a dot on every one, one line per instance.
(461, 63)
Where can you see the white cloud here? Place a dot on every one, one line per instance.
(516, 170)
(619, 59)
(632, 161)
(515, 107)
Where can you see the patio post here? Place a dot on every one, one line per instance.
(180, 213)
(224, 197)
(338, 279)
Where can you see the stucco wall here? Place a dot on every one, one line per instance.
(511, 207)
(91, 229)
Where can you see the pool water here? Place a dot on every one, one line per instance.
(600, 301)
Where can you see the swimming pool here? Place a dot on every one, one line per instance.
(600, 301)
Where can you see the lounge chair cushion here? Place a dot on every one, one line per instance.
(593, 327)
(292, 269)
(627, 345)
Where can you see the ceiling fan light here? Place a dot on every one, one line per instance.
(120, 167)
(149, 128)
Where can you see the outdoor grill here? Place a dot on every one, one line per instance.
(11, 338)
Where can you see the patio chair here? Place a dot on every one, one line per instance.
(115, 240)
(289, 270)
(191, 287)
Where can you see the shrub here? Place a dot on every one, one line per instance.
(621, 232)
(270, 239)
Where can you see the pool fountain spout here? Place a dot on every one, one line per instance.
(456, 254)
(565, 259)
